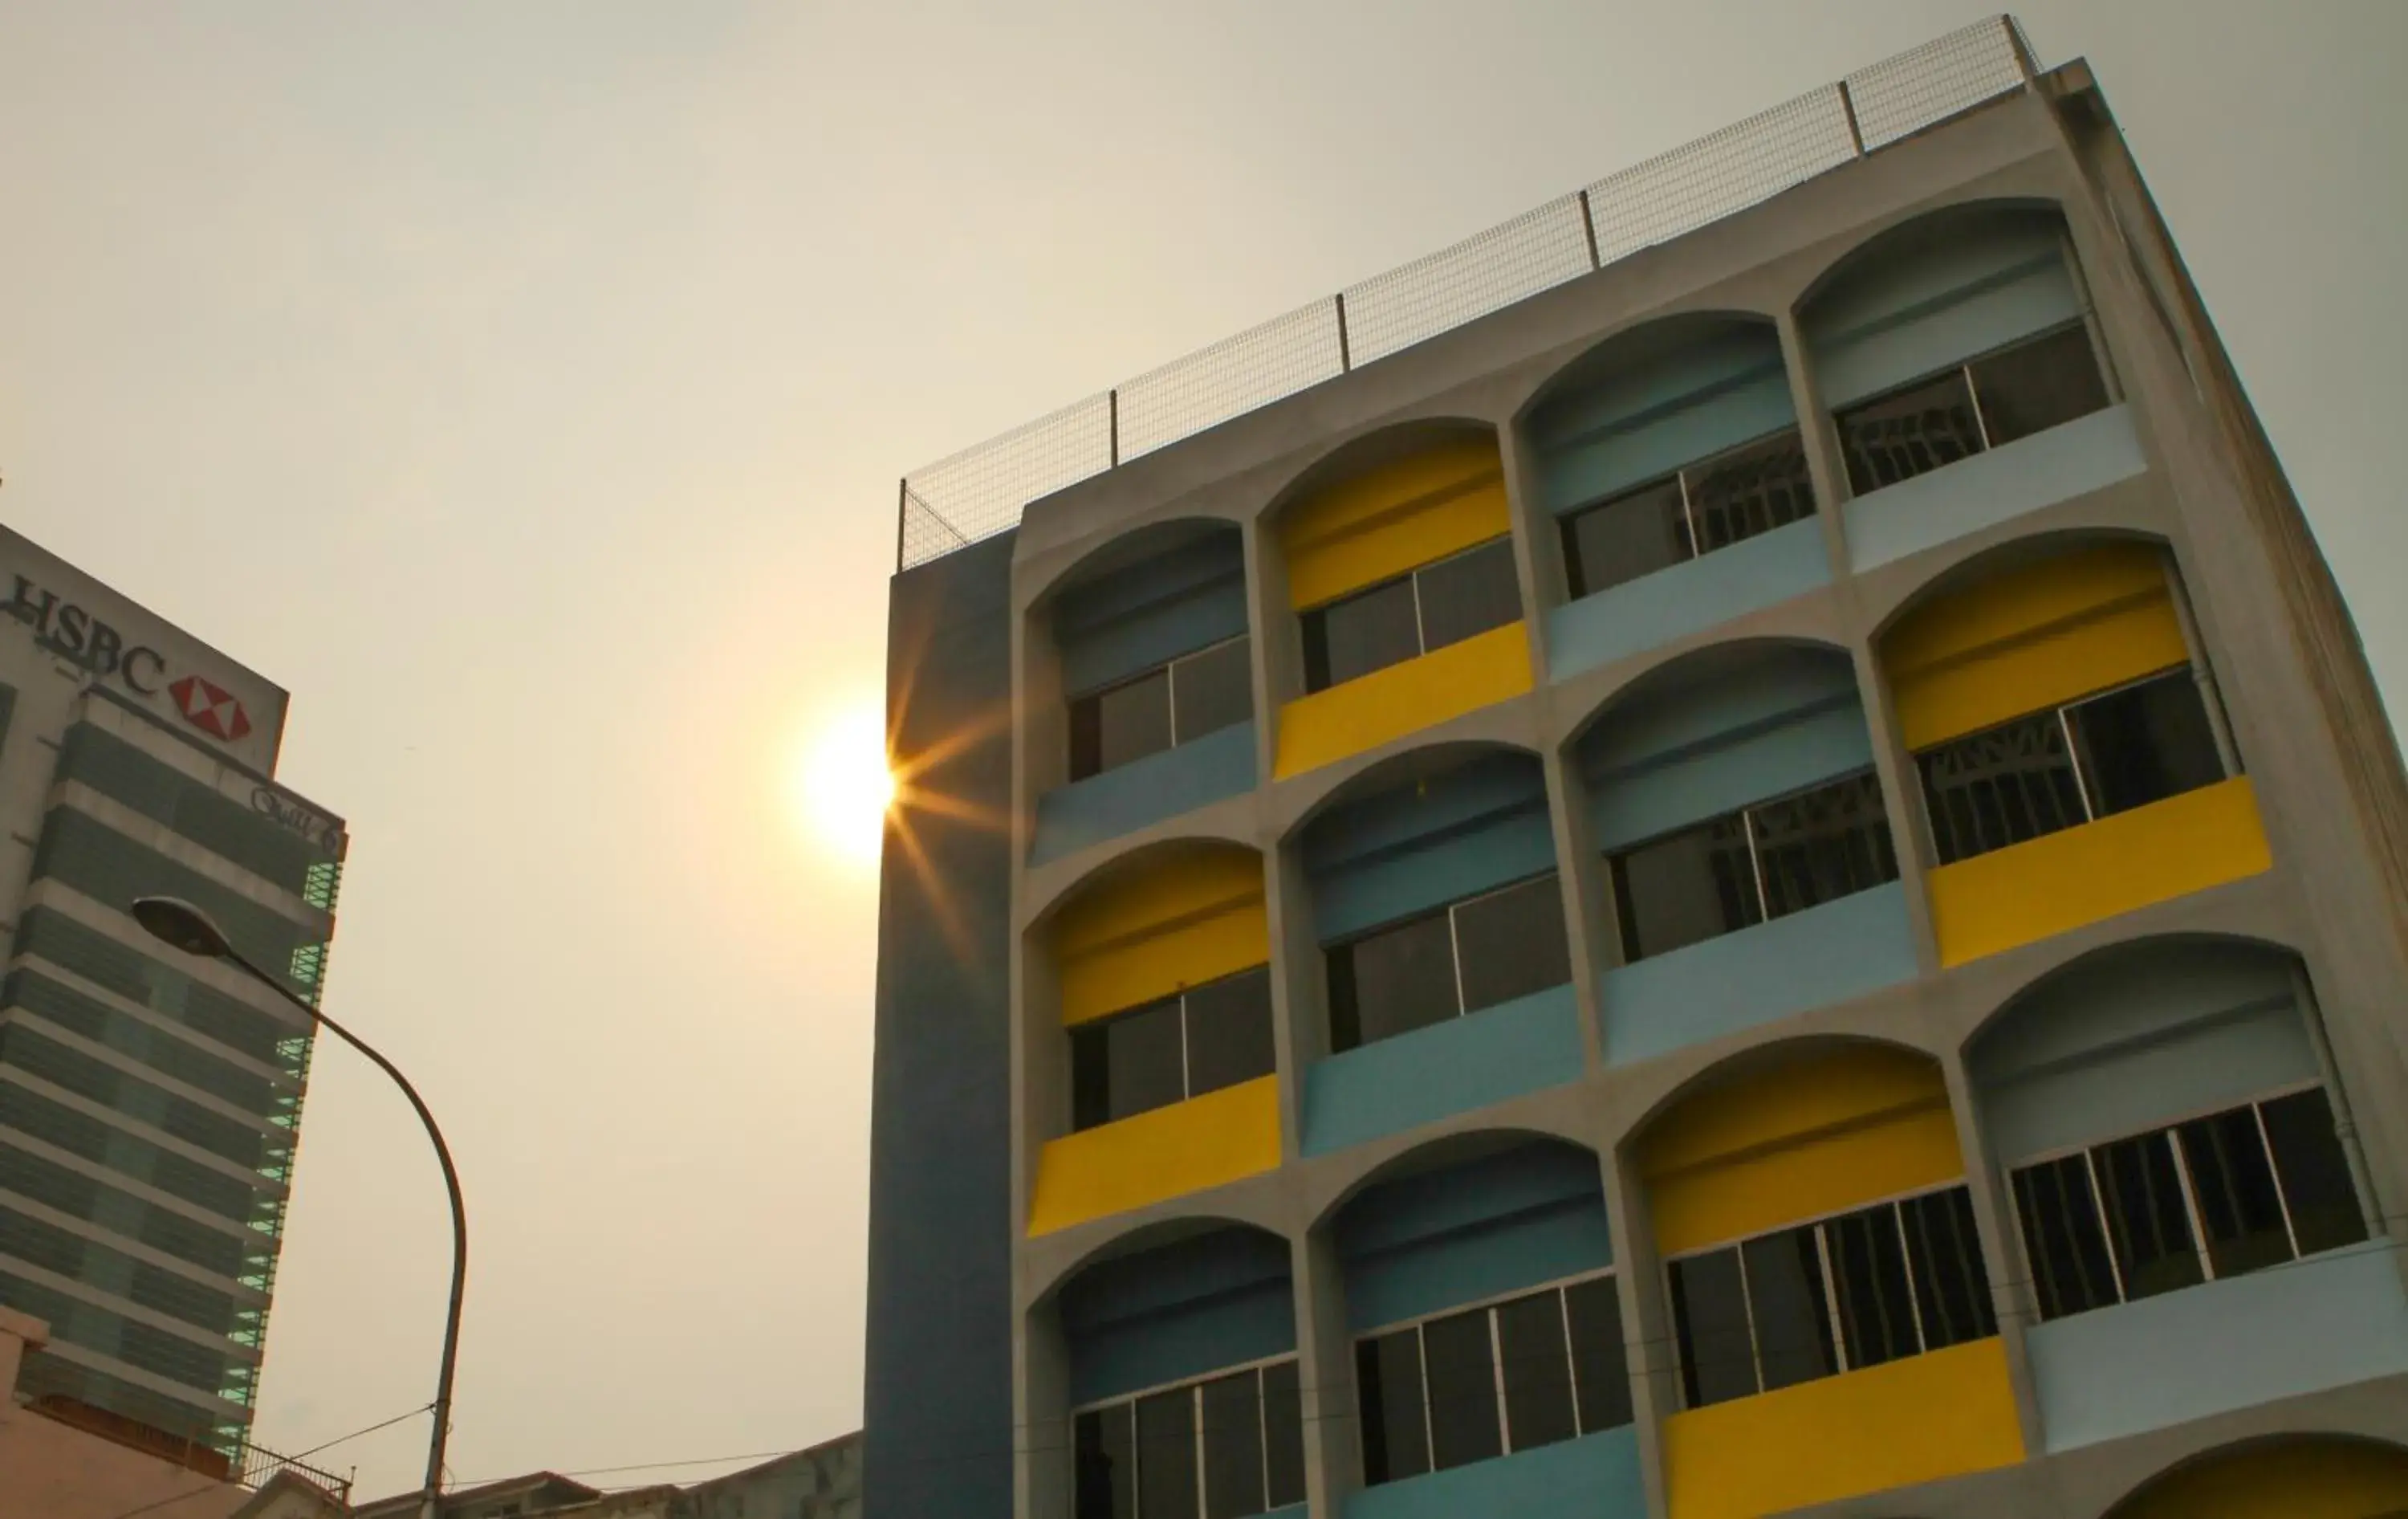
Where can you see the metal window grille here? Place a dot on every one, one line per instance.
(981, 491)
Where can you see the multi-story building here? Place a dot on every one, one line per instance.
(150, 1103)
(1760, 875)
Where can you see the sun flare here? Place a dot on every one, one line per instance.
(841, 785)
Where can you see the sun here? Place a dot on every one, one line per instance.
(840, 787)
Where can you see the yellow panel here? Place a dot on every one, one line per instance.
(1797, 1141)
(1183, 921)
(1396, 518)
(1168, 1152)
(1911, 1421)
(2030, 891)
(2030, 639)
(1389, 703)
(2308, 1478)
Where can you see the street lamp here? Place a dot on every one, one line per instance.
(178, 923)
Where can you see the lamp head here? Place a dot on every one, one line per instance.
(171, 919)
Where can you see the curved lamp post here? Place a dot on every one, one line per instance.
(178, 923)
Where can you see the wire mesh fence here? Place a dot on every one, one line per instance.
(981, 491)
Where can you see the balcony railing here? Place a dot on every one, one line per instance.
(981, 491)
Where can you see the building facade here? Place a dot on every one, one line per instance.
(1770, 880)
(150, 1104)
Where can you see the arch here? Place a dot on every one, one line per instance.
(1956, 334)
(1172, 1305)
(2071, 765)
(1137, 1239)
(1368, 455)
(1823, 1261)
(1103, 875)
(1468, 1218)
(1732, 802)
(1148, 1033)
(1438, 1153)
(1404, 767)
(2286, 1477)
(1972, 567)
(1651, 346)
(1142, 647)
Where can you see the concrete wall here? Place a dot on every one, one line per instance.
(51, 1470)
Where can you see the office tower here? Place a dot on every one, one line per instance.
(150, 1103)
(1722, 853)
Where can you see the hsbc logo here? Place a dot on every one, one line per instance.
(75, 634)
(210, 708)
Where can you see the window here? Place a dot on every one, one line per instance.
(2011, 393)
(1765, 861)
(1219, 1449)
(2069, 766)
(2233, 1192)
(1483, 1382)
(1437, 605)
(1894, 1280)
(1710, 505)
(1168, 705)
(1476, 953)
(1209, 1037)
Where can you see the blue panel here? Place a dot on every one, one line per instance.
(1644, 423)
(1152, 612)
(2138, 1039)
(1178, 1311)
(1421, 846)
(2064, 461)
(1993, 281)
(1811, 959)
(2324, 1322)
(1689, 598)
(937, 1390)
(1394, 1084)
(1787, 719)
(1162, 785)
(1593, 1477)
(1515, 1220)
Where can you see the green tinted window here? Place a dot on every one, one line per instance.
(179, 1059)
(137, 977)
(202, 813)
(113, 870)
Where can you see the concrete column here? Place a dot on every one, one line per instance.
(1648, 1346)
(2012, 1292)
(1538, 555)
(1586, 911)
(1043, 1472)
(1299, 992)
(1333, 1451)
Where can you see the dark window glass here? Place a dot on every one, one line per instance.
(1952, 1287)
(1395, 1439)
(1822, 844)
(1129, 1064)
(1512, 943)
(1750, 490)
(1211, 690)
(1625, 538)
(1537, 1365)
(1597, 1365)
(1462, 1390)
(1710, 1320)
(1283, 1435)
(1392, 983)
(2145, 742)
(1784, 1289)
(1468, 594)
(1166, 1455)
(1232, 1411)
(1876, 1308)
(2147, 1220)
(1125, 722)
(1908, 432)
(2000, 786)
(1686, 888)
(1106, 1467)
(1361, 634)
(2233, 1182)
(2325, 1211)
(2062, 1234)
(2035, 385)
(1229, 1031)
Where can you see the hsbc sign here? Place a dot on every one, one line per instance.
(82, 637)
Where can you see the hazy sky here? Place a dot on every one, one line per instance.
(524, 386)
